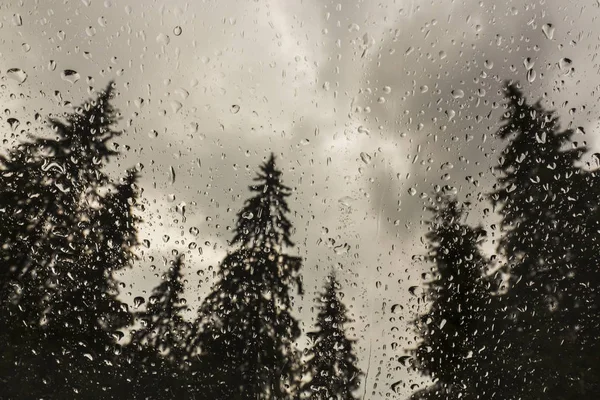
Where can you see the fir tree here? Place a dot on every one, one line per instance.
(452, 329)
(246, 329)
(164, 329)
(70, 230)
(332, 369)
(158, 349)
(537, 193)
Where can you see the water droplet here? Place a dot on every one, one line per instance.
(52, 65)
(488, 64)
(528, 63)
(14, 123)
(362, 129)
(403, 360)
(138, 301)
(172, 174)
(61, 35)
(413, 290)
(346, 201)
(90, 31)
(194, 231)
(177, 30)
(176, 106)
(70, 76)
(424, 89)
(235, 109)
(17, 74)
(247, 215)
(26, 47)
(387, 90)
(163, 39)
(412, 191)
(458, 93)
(564, 63)
(397, 308)
(531, 75)
(17, 20)
(365, 158)
(548, 30)
(153, 134)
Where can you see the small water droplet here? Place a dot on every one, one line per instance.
(177, 30)
(138, 301)
(528, 63)
(52, 65)
(564, 63)
(17, 20)
(70, 76)
(176, 106)
(412, 191)
(548, 30)
(362, 129)
(235, 109)
(531, 75)
(346, 201)
(365, 158)
(163, 39)
(458, 94)
(247, 215)
(17, 74)
(14, 123)
(172, 174)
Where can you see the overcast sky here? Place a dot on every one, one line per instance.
(367, 104)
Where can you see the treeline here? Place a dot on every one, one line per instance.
(523, 324)
(67, 229)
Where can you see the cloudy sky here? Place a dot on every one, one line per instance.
(367, 104)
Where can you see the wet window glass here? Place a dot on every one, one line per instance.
(299, 200)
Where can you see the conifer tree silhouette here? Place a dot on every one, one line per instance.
(332, 363)
(158, 348)
(71, 229)
(164, 329)
(539, 188)
(460, 295)
(246, 330)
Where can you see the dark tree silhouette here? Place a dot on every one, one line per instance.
(246, 332)
(538, 191)
(69, 229)
(163, 327)
(331, 366)
(460, 296)
(158, 347)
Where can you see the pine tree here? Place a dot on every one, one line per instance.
(451, 331)
(164, 329)
(69, 230)
(246, 329)
(158, 349)
(332, 362)
(537, 194)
